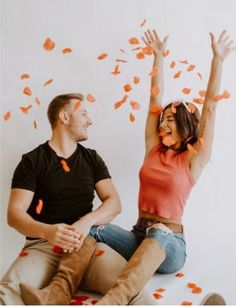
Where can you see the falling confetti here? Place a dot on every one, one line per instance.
(186, 91)
(37, 101)
(157, 296)
(116, 70)
(191, 67)
(172, 64)
(24, 76)
(131, 117)
(133, 41)
(27, 91)
(136, 80)
(48, 44)
(198, 100)
(77, 105)
(7, 116)
(143, 22)
(48, 82)
(166, 53)
(177, 75)
(102, 56)
(140, 56)
(148, 50)
(35, 124)
(127, 88)
(90, 98)
(66, 50)
(186, 303)
(135, 105)
(25, 109)
(122, 101)
(179, 275)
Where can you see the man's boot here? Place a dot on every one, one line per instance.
(70, 271)
(141, 266)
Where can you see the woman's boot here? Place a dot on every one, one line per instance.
(70, 272)
(141, 266)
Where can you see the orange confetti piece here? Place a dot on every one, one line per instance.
(191, 67)
(122, 101)
(166, 53)
(191, 107)
(202, 93)
(155, 90)
(199, 75)
(177, 75)
(217, 98)
(184, 62)
(90, 98)
(191, 285)
(6, 116)
(191, 149)
(157, 296)
(57, 249)
(102, 56)
(186, 91)
(226, 95)
(198, 100)
(172, 64)
(140, 56)
(136, 80)
(169, 141)
(77, 105)
(137, 48)
(48, 44)
(121, 61)
(39, 207)
(133, 41)
(186, 303)
(131, 117)
(143, 22)
(122, 50)
(148, 50)
(27, 91)
(35, 124)
(179, 275)
(65, 166)
(25, 109)
(153, 72)
(48, 82)
(66, 50)
(127, 87)
(156, 110)
(23, 254)
(99, 252)
(24, 76)
(37, 101)
(135, 105)
(116, 70)
(197, 290)
(160, 290)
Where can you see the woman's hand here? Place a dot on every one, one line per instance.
(223, 47)
(152, 39)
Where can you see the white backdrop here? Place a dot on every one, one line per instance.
(90, 28)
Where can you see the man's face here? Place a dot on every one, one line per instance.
(78, 120)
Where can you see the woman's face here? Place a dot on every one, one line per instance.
(168, 130)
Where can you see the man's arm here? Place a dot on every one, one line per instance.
(58, 234)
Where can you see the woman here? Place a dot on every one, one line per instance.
(178, 146)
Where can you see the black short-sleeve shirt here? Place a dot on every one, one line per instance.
(66, 196)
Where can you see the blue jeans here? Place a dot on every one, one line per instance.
(126, 242)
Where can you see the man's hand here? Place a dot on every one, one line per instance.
(82, 228)
(64, 236)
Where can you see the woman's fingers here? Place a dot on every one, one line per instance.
(221, 37)
(145, 41)
(152, 38)
(147, 37)
(155, 34)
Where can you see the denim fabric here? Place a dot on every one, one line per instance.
(126, 242)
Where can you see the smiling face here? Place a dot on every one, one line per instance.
(168, 130)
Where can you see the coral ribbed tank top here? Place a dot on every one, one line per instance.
(165, 183)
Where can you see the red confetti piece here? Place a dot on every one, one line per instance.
(136, 80)
(184, 62)
(127, 88)
(122, 101)
(157, 296)
(148, 50)
(66, 50)
(65, 166)
(191, 285)
(217, 98)
(102, 56)
(198, 100)
(135, 105)
(202, 93)
(197, 290)
(48, 44)
(79, 299)
(116, 70)
(140, 56)
(133, 41)
(23, 254)
(172, 64)
(177, 75)
(48, 82)
(25, 109)
(77, 105)
(191, 67)
(160, 290)
(143, 22)
(24, 76)
(166, 53)
(131, 117)
(179, 275)
(39, 207)
(35, 124)
(57, 249)
(186, 90)
(7, 116)
(27, 91)
(94, 302)
(90, 98)
(99, 252)
(186, 303)
(37, 101)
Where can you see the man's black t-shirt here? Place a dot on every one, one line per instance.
(66, 196)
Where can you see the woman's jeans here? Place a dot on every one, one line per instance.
(126, 242)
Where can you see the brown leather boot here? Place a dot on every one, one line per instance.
(70, 271)
(141, 266)
(213, 299)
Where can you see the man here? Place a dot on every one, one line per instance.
(51, 200)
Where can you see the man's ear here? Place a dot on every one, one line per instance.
(64, 116)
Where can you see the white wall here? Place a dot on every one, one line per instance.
(90, 28)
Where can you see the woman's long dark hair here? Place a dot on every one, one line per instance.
(187, 124)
